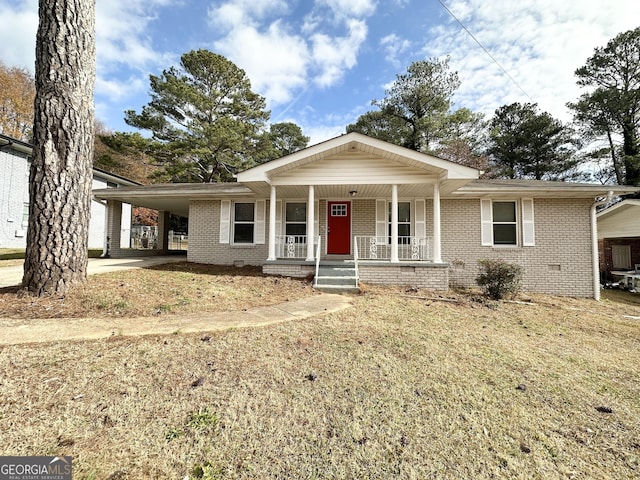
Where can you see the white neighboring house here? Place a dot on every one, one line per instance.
(15, 159)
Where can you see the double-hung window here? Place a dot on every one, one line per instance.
(404, 222)
(296, 221)
(243, 222)
(507, 222)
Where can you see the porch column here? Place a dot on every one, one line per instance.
(437, 255)
(114, 227)
(272, 225)
(394, 224)
(310, 221)
(163, 230)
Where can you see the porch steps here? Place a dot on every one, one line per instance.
(336, 277)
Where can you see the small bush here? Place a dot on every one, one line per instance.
(499, 279)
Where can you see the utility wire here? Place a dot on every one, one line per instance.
(485, 50)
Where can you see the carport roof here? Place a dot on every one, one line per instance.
(173, 197)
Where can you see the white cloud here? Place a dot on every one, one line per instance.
(275, 61)
(235, 13)
(350, 8)
(122, 33)
(283, 61)
(539, 43)
(18, 33)
(335, 55)
(394, 46)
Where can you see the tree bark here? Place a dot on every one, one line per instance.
(61, 169)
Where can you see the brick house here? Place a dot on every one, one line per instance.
(384, 214)
(15, 162)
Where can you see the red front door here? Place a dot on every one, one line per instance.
(339, 228)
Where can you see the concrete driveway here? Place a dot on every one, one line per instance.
(12, 275)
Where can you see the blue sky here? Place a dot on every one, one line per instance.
(319, 63)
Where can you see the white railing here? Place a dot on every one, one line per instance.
(291, 246)
(379, 248)
(315, 279)
(355, 260)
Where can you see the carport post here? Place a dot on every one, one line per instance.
(163, 230)
(114, 226)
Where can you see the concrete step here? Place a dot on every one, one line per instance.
(337, 289)
(340, 280)
(338, 277)
(331, 271)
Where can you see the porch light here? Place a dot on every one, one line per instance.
(353, 193)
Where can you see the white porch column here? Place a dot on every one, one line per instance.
(114, 228)
(272, 225)
(310, 221)
(394, 224)
(163, 230)
(437, 255)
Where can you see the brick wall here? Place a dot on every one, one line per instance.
(559, 263)
(433, 277)
(204, 239)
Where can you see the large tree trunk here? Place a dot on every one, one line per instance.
(61, 169)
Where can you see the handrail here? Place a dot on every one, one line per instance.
(315, 279)
(355, 260)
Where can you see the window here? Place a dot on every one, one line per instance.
(404, 222)
(296, 220)
(339, 210)
(621, 257)
(505, 226)
(25, 215)
(243, 222)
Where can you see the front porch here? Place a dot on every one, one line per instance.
(370, 263)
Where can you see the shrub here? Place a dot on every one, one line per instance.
(499, 278)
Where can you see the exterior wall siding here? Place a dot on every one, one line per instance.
(559, 263)
(14, 193)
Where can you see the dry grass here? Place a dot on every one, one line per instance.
(396, 387)
(173, 288)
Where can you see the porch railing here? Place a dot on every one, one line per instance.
(409, 248)
(291, 246)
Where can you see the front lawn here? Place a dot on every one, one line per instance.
(399, 386)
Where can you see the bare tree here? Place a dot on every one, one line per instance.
(60, 177)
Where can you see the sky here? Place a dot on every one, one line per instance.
(320, 63)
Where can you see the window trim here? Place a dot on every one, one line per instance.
(487, 222)
(410, 222)
(235, 222)
(515, 223)
(287, 222)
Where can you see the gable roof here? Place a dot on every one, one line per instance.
(356, 159)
